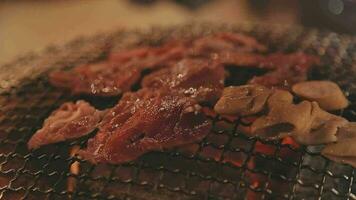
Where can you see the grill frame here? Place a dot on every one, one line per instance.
(26, 100)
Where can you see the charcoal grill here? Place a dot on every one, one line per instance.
(225, 165)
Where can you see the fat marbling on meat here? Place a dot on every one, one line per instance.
(69, 121)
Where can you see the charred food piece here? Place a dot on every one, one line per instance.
(71, 120)
(242, 100)
(328, 94)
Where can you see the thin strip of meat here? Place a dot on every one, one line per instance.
(164, 122)
(71, 120)
(201, 79)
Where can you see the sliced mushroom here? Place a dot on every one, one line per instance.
(342, 151)
(328, 94)
(346, 132)
(323, 128)
(283, 119)
(242, 100)
(279, 97)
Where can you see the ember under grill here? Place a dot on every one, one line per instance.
(225, 165)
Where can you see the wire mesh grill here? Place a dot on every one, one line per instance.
(225, 165)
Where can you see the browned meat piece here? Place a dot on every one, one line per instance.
(242, 100)
(324, 127)
(164, 122)
(328, 94)
(344, 150)
(102, 79)
(280, 97)
(346, 132)
(283, 120)
(200, 79)
(288, 69)
(71, 120)
(305, 122)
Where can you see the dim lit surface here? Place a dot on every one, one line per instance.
(32, 25)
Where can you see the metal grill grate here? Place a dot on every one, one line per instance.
(225, 165)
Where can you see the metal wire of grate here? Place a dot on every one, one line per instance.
(225, 165)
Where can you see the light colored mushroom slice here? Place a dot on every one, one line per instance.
(346, 132)
(283, 119)
(342, 151)
(279, 97)
(242, 100)
(323, 129)
(328, 94)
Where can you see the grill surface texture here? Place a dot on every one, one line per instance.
(225, 165)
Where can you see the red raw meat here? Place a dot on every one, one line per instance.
(102, 79)
(201, 79)
(128, 105)
(225, 42)
(164, 122)
(151, 57)
(288, 69)
(71, 120)
(117, 74)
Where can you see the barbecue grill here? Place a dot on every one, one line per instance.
(225, 165)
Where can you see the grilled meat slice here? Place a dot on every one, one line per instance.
(71, 120)
(287, 69)
(201, 79)
(164, 122)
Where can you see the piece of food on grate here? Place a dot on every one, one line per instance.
(328, 94)
(103, 79)
(344, 150)
(119, 72)
(152, 57)
(225, 42)
(129, 104)
(71, 120)
(164, 122)
(201, 79)
(306, 122)
(277, 116)
(242, 100)
(288, 69)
